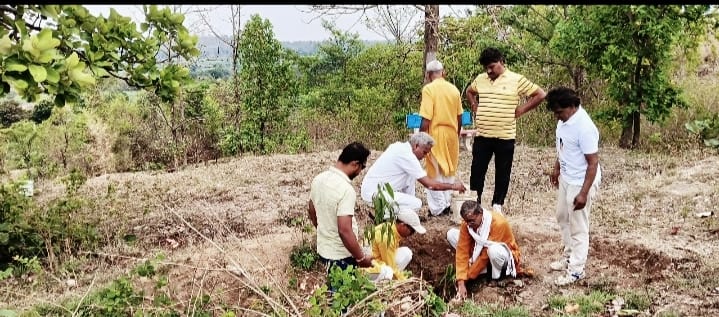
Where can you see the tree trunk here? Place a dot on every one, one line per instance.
(635, 116)
(635, 138)
(631, 131)
(578, 79)
(431, 35)
(235, 68)
(626, 138)
(175, 163)
(262, 136)
(65, 151)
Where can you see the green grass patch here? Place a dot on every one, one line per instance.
(470, 308)
(589, 304)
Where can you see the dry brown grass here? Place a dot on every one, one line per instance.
(100, 159)
(241, 208)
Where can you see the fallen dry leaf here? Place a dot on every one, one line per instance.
(571, 308)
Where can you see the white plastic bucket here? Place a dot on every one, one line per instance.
(458, 200)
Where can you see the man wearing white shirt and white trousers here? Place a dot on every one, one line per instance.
(577, 175)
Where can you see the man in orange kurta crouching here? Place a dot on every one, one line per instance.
(484, 242)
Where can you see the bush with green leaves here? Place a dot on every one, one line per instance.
(707, 129)
(18, 236)
(434, 304)
(148, 132)
(125, 117)
(122, 297)
(203, 122)
(11, 112)
(303, 256)
(21, 143)
(28, 229)
(66, 140)
(350, 287)
(57, 145)
(42, 111)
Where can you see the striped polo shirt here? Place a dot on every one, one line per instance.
(497, 101)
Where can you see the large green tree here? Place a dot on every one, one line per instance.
(268, 85)
(61, 50)
(330, 77)
(631, 46)
(528, 30)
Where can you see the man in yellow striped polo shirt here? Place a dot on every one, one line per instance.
(494, 97)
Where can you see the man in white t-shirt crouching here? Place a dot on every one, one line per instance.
(399, 166)
(577, 175)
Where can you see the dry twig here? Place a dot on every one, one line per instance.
(249, 283)
(83, 297)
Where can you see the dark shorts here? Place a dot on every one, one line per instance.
(342, 263)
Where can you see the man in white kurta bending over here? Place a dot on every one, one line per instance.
(399, 166)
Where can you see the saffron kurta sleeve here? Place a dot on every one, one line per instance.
(465, 247)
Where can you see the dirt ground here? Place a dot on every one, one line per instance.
(645, 235)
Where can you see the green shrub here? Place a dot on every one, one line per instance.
(707, 129)
(22, 145)
(17, 234)
(230, 142)
(30, 230)
(11, 112)
(123, 298)
(350, 287)
(435, 305)
(42, 111)
(303, 256)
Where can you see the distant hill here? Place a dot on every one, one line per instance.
(212, 48)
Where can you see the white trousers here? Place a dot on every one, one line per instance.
(402, 258)
(574, 225)
(438, 200)
(498, 255)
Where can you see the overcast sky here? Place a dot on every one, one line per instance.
(289, 22)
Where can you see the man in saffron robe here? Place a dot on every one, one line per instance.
(484, 243)
(441, 112)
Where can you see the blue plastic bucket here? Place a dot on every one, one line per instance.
(413, 120)
(466, 118)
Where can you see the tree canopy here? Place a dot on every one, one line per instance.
(60, 50)
(630, 46)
